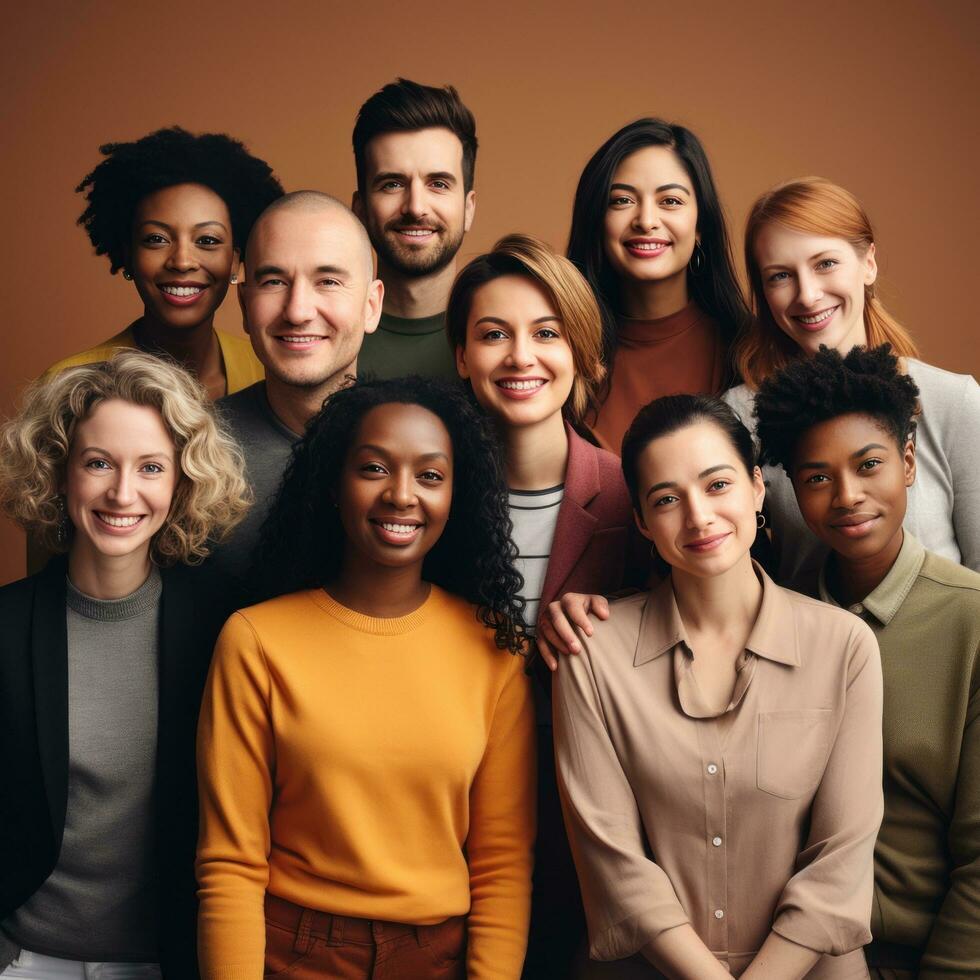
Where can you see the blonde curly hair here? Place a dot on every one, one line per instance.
(211, 495)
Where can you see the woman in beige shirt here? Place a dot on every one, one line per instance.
(719, 739)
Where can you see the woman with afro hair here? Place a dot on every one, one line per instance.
(840, 428)
(366, 746)
(173, 211)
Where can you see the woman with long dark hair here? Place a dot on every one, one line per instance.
(366, 745)
(649, 235)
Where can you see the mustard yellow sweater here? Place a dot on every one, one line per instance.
(379, 768)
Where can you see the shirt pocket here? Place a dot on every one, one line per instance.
(793, 750)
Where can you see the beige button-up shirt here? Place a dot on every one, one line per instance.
(760, 818)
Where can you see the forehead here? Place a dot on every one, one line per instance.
(421, 151)
(841, 437)
(681, 455)
(653, 166)
(778, 243)
(300, 241)
(182, 203)
(404, 430)
(121, 426)
(512, 298)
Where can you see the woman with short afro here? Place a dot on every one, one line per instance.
(173, 211)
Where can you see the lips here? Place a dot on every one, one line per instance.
(118, 523)
(299, 342)
(710, 543)
(856, 525)
(647, 248)
(816, 321)
(415, 234)
(402, 531)
(520, 389)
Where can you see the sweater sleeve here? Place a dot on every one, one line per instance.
(965, 474)
(826, 905)
(235, 774)
(953, 949)
(629, 900)
(501, 836)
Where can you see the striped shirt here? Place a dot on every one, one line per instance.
(534, 514)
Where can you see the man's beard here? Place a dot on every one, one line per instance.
(416, 263)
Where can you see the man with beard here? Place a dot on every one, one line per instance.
(415, 152)
(308, 299)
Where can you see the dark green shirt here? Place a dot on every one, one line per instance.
(926, 616)
(401, 346)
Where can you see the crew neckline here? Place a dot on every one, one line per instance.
(378, 625)
(413, 325)
(116, 610)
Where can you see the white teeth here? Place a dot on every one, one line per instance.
(400, 528)
(120, 521)
(183, 290)
(299, 340)
(521, 385)
(648, 246)
(416, 232)
(818, 318)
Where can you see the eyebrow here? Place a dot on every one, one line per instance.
(551, 318)
(777, 265)
(200, 224)
(381, 450)
(822, 465)
(394, 175)
(662, 187)
(105, 452)
(701, 476)
(275, 270)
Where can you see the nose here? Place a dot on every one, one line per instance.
(698, 514)
(808, 290)
(849, 491)
(400, 491)
(182, 257)
(300, 307)
(415, 203)
(646, 217)
(122, 490)
(520, 354)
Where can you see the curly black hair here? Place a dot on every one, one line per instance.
(302, 541)
(815, 389)
(131, 171)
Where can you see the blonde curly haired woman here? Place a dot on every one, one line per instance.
(122, 468)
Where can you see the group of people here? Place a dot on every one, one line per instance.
(556, 616)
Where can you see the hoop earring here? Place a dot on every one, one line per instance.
(760, 520)
(127, 275)
(698, 260)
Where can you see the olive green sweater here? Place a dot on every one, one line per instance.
(926, 616)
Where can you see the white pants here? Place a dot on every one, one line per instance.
(34, 966)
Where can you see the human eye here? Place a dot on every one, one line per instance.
(816, 478)
(667, 498)
(373, 469)
(494, 333)
(154, 238)
(271, 283)
(97, 463)
(778, 277)
(431, 476)
(717, 485)
(870, 464)
(440, 184)
(620, 201)
(825, 264)
(209, 241)
(548, 333)
(672, 202)
(390, 185)
(327, 283)
(151, 468)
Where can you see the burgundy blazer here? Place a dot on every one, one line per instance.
(597, 547)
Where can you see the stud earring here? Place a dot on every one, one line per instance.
(127, 275)
(234, 278)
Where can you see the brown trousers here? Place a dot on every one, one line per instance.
(305, 945)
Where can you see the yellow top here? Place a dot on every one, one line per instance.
(241, 367)
(377, 768)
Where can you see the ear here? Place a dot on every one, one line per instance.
(871, 266)
(372, 305)
(357, 206)
(469, 210)
(461, 368)
(908, 458)
(758, 488)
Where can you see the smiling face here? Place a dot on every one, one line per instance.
(651, 217)
(181, 256)
(815, 286)
(516, 356)
(413, 203)
(120, 479)
(851, 481)
(396, 487)
(697, 502)
(310, 295)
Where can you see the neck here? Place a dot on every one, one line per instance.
(853, 581)
(413, 297)
(379, 590)
(295, 405)
(653, 300)
(107, 577)
(536, 455)
(722, 603)
(196, 348)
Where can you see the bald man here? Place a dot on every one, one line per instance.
(308, 299)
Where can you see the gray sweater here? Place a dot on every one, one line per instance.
(943, 504)
(98, 904)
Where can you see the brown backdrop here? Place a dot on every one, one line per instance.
(879, 95)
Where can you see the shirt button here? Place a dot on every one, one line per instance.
(716, 841)
(719, 913)
(712, 768)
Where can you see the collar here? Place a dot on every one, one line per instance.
(885, 600)
(773, 636)
(581, 470)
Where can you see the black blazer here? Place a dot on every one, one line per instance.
(34, 742)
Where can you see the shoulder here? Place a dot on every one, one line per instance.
(611, 500)
(618, 634)
(961, 585)
(827, 631)
(242, 404)
(242, 367)
(943, 392)
(273, 615)
(742, 399)
(100, 352)
(15, 598)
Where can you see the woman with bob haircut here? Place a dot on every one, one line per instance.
(173, 210)
(811, 262)
(121, 468)
(366, 750)
(528, 339)
(718, 739)
(648, 233)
